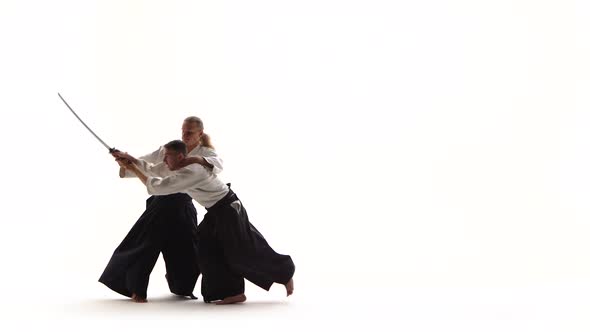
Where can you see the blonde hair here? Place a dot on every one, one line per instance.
(205, 139)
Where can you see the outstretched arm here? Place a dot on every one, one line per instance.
(208, 158)
(196, 160)
(124, 157)
(144, 163)
(125, 164)
(180, 181)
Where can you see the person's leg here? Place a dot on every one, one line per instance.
(218, 281)
(128, 270)
(180, 249)
(137, 277)
(182, 270)
(248, 254)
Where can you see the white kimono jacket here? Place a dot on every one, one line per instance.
(148, 162)
(195, 180)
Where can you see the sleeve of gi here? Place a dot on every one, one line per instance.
(183, 180)
(146, 161)
(212, 158)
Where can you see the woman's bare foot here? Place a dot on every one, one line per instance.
(137, 299)
(289, 287)
(233, 299)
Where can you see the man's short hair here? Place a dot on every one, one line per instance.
(177, 146)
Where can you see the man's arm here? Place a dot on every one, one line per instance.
(125, 158)
(147, 168)
(132, 168)
(181, 181)
(144, 162)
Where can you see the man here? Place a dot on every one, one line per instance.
(229, 246)
(168, 225)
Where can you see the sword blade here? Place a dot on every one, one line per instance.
(90, 130)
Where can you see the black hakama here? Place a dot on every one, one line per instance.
(231, 249)
(168, 225)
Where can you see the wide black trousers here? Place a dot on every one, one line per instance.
(230, 249)
(169, 226)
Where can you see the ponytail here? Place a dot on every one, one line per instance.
(206, 141)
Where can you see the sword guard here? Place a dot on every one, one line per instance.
(111, 150)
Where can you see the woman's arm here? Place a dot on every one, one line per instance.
(196, 160)
(208, 158)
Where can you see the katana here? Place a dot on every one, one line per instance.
(111, 150)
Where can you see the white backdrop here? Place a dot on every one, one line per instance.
(384, 145)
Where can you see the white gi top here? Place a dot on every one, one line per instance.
(157, 157)
(195, 180)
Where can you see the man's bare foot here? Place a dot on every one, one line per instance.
(137, 299)
(289, 287)
(233, 299)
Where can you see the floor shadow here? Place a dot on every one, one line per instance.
(168, 305)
